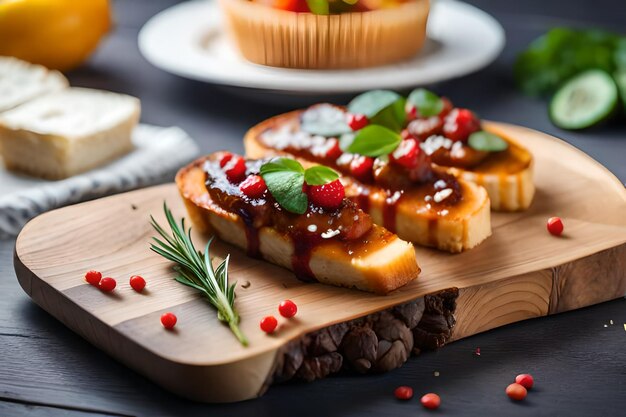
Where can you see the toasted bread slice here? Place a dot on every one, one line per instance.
(454, 229)
(379, 262)
(21, 81)
(507, 176)
(68, 132)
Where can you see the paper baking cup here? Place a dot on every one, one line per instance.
(280, 38)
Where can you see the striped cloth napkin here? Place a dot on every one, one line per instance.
(158, 153)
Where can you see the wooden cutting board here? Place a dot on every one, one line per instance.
(520, 272)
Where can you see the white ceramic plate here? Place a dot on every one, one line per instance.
(188, 40)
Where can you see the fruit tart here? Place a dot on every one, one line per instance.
(296, 218)
(327, 34)
(387, 175)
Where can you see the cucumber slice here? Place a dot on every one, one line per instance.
(584, 101)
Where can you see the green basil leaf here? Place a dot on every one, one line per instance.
(318, 6)
(427, 103)
(286, 188)
(320, 175)
(324, 120)
(392, 117)
(284, 179)
(281, 164)
(372, 102)
(375, 140)
(486, 141)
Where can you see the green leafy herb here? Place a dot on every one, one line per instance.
(324, 120)
(320, 175)
(282, 164)
(284, 179)
(374, 141)
(562, 53)
(427, 103)
(486, 141)
(372, 102)
(382, 107)
(318, 6)
(196, 270)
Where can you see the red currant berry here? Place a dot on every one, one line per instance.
(168, 320)
(555, 226)
(361, 167)
(227, 156)
(516, 392)
(268, 324)
(253, 186)
(93, 277)
(328, 196)
(235, 169)
(431, 401)
(137, 282)
(107, 284)
(525, 380)
(403, 393)
(406, 154)
(287, 309)
(459, 124)
(357, 121)
(333, 151)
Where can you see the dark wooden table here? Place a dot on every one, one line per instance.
(578, 358)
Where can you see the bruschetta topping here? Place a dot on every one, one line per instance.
(325, 132)
(326, 214)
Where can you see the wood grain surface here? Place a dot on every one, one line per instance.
(519, 273)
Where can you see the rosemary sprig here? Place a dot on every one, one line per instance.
(195, 270)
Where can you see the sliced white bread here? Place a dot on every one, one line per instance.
(384, 264)
(21, 81)
(68, 132)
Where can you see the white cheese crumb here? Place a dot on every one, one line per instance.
(428, 198)
(434, 142)
(311, 228)
(330, 233)
(442, 195)
(439, 184)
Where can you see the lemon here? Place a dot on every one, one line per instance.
(59, 34)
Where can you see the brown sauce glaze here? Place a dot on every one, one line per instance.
(303, 245)
(252, 233)
(390, 210)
